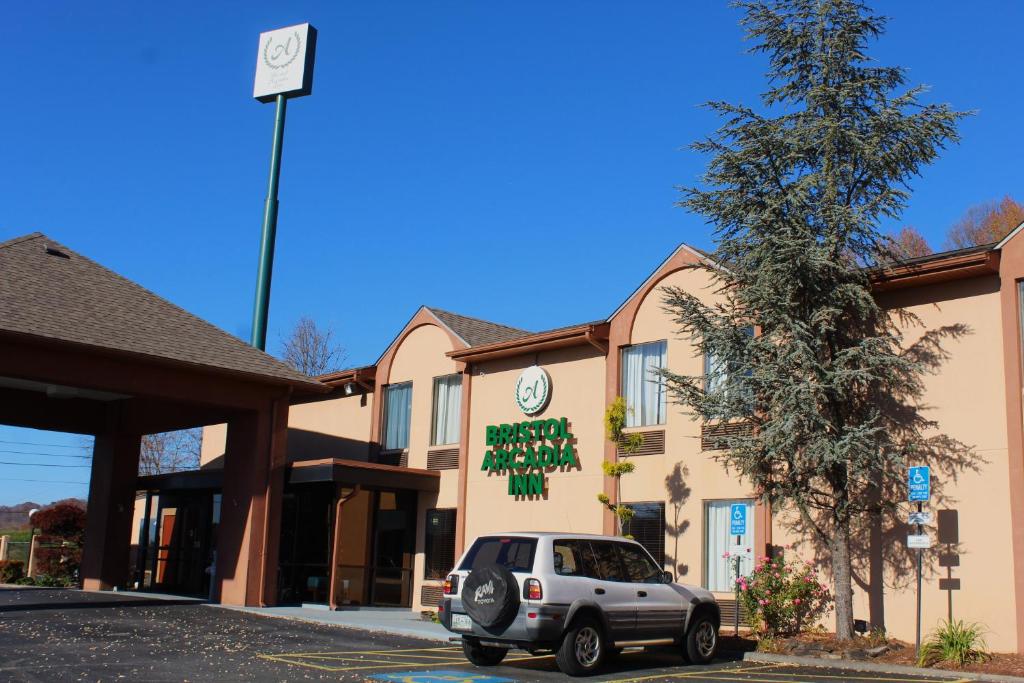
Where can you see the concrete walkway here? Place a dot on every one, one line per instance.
(394, 620)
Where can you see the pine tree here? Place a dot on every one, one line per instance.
(795, 191)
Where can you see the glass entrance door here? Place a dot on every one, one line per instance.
(394, 527)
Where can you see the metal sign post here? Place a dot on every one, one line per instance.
(284, 68)
(919, 485)
(738, 527)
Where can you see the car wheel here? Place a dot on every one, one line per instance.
(701, 640)
(482, 655)
(583, 648)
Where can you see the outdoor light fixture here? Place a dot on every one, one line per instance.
(350, 388)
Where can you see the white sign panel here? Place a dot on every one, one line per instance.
(923, 517)
(533, 389)
(919, 541)
(284, 62)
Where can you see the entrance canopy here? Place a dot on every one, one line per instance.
(85, 350)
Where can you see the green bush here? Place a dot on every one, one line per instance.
(954, 642)
(11, 570)
(783, 598)
(49, 581)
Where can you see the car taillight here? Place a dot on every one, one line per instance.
(451, 584)
(532, 590)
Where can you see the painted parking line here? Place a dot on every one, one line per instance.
(442, 676)
(363, 660)
(778, 673)
(691, 674)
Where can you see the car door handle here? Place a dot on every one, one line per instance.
(641, 594)
(599, 591)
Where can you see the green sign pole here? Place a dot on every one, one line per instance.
(269, 234)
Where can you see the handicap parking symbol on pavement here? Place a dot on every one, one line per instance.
(444, 676)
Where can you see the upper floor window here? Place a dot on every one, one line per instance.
(643, 387)
(397, 413)
(722, 376)
(447, 410)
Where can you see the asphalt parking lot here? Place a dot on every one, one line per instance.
(61, 635)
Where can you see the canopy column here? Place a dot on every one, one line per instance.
(108, 525)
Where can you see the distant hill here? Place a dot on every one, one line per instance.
(16, 516)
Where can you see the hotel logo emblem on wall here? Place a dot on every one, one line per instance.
(533, 389)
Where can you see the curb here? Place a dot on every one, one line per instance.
(871, 667)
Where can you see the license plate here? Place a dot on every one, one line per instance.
(462, 622)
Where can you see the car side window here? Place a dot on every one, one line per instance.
(639, 566)
(609, 566)
(573, 558)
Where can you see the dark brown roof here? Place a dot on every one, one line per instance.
(49, 291)
(476, 332)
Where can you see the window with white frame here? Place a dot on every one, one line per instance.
(719, 545)
(397, 414)
(447, 410)
(720, 377)
(643, 386)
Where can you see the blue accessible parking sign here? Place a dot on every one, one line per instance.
(737, 519)
(919, 483)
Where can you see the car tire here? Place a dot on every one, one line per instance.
(583, 648)
(701, 641)
(482, 655)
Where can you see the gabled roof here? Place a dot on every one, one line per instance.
(50, 292)
(476, 332)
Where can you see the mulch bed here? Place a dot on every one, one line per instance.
(826, 647)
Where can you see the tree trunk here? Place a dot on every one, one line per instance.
(841, 578)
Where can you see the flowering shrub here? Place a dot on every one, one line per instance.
(782, 598)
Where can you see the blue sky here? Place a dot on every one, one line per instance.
(464, 155)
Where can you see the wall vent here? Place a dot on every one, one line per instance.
(443, 459)
(654, 444)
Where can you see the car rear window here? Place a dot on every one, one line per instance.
(513, 553)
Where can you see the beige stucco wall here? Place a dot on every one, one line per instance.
(966, 398)
(577, 393)
(336, 428)
(419, 358)
(215, 439)
(700, 478)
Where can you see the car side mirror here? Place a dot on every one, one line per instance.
(667, 577)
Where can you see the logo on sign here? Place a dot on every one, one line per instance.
(737, 519)
(919, 483)
(281, 50)
(533, 388)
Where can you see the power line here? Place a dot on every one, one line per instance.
(29, 443)
(47, 455)
(47, 481)
(40, 464)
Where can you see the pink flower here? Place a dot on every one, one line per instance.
(796, 601)
(776, 575)
(762, 602)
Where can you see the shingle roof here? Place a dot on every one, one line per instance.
(476, 332)
(49, 291)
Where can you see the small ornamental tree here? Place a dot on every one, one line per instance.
(65, 521)
(614, 424)
(795, 191)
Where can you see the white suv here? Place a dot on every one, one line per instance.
(583, 597)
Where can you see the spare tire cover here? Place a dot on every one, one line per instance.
(491, 596)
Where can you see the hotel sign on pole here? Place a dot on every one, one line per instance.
(284, 63)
